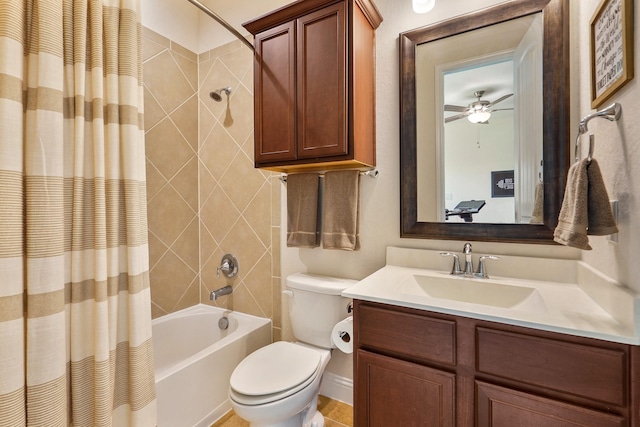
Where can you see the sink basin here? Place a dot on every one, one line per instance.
(474, 291)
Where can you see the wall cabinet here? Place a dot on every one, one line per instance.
(430, 369)
(314, 85)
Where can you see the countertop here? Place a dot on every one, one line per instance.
(584, 303)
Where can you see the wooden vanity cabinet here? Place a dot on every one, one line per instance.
(314, 85)
(418, 368)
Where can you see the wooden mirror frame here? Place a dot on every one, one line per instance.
(556, 114)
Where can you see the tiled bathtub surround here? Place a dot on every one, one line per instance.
(205, 197)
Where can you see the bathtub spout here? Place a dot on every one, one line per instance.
(220, 292)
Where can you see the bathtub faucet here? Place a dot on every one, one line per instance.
(220, 292)
(228, 266)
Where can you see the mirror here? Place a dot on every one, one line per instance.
(488, 171)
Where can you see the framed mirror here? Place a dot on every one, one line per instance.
(478, 149)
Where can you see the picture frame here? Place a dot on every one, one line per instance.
(611, 29)
(502, 183)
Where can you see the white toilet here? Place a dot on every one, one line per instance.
(278, 385)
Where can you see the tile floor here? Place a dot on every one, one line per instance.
(336, 414)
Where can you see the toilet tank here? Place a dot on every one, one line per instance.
(315, 306)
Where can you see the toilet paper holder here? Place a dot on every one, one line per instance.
(344, 336)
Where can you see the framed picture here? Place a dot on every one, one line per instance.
(502, 184)
(611, 49)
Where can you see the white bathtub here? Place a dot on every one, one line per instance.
(194, 360)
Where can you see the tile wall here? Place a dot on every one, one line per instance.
(205, 197)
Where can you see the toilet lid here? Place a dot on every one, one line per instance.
(275, 368)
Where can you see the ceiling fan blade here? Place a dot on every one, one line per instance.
(456, 117)
(502, 98)
(502, 109)
(455, 108)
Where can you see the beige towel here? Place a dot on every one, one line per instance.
(601, 221)
(340, 211)
(537, 216)
(572, 221)
(302, 210)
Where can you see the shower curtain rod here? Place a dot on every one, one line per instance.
(222, 22)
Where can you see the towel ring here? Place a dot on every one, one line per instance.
(591, 146)
(611, 113)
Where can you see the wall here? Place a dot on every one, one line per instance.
(205, 198)
(171, 112)
(236, 199)
(617, 150)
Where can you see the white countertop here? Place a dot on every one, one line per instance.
(594, 306)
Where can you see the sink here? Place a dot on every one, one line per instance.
(474, 291)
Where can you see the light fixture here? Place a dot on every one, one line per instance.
(423, 6)
(479, 116)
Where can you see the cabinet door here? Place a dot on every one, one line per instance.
(322, 83)
(393, 392)
(274, 91)
(503, 407)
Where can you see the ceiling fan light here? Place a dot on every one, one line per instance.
(479, 116)
(423, 6)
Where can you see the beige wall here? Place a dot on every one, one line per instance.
(171, 112)
(616, 150)
(205, 197)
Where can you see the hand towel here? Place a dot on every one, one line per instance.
(601, 221)
(302, 210)
(573, 220)
(340, 211)
(537, 216)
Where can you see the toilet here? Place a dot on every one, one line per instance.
(278, 385)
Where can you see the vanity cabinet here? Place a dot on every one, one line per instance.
(431, 369)
(314, 85)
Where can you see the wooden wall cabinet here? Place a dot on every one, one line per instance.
(417, 368)
(314, 85)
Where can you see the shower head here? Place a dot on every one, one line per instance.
(216, 95)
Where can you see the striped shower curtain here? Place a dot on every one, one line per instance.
(75, 321)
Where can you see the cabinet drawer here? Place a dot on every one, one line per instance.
(412, 335)
(582, 370)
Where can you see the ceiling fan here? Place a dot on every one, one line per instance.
(478, 111)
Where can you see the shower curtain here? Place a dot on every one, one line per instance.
(75, 321)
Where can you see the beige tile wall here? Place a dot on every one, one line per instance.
(205, 197)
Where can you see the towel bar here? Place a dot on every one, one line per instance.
(611, 113)
(372, 174)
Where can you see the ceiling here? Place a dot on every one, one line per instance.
(237, 12)
(495, 80)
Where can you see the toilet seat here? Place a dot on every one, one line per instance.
(273, 373)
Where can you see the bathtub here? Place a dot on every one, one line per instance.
(194, 360)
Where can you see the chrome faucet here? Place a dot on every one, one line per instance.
(455, 270)
(468, 260)
(481, 272)
(220, 292)
(228, 266)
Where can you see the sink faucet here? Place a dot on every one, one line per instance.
(482, 270)
(468, 263)
(220, 292)
(455, 270)
(468, 260)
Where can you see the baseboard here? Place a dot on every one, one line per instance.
(337, 387)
